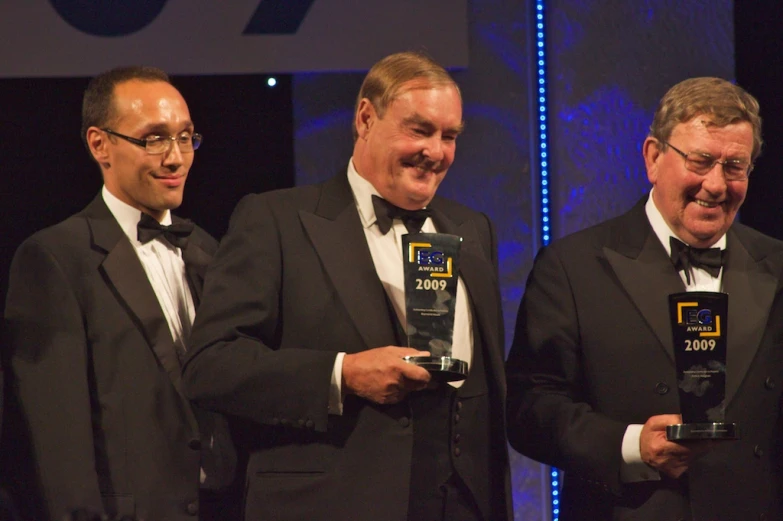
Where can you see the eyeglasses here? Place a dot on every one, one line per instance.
(154, 145)
(698, 163)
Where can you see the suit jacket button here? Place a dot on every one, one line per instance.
(456, 418)
(405, 421)
(457, 452)
(457, 437)
(459, 405)
(769, 383)
(195, 444)
(758, 451)
(762, 517)
(193, 508)
(661, 388)
(309, 424)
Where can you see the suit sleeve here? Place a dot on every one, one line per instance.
(50, 375)
(235, 364)
(550, 418)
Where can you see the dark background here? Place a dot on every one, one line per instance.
(48, 174)
(758, 41)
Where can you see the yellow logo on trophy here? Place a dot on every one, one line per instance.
(698, 320)
(434, 262)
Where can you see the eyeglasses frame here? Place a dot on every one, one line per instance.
(196, 139)
(714, 162)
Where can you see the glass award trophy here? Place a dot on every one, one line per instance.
(699, 325)
(430, 265)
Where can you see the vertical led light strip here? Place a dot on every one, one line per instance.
(543, 190)
(543, 156)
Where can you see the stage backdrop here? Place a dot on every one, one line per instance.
(610, 63)
(85, 37)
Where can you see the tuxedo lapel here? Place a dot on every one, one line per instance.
(751, 288)
(126, 275)
(196, 263)
(336, 232)
(642, 267)
(478, 275)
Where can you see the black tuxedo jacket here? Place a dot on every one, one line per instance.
(593, 353)
(292, 284)
(100, 420)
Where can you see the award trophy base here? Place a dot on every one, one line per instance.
(443, 368)
(702, 431)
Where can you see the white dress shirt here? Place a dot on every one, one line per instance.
(164, 267)
(386, 251)
(633, 468)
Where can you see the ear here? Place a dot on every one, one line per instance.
(97, 141)
(365, 117)
(652, 156)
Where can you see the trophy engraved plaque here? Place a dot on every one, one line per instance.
(430, 265)
(699, 326)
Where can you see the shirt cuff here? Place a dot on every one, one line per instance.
(633, 469)
(336, 391)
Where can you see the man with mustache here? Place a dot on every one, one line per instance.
(302, 321)
(591, 372)
(98, 308)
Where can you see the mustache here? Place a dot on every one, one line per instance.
(422, 163)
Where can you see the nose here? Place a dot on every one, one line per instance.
(714, 181)
(434, 149)
(172, 157)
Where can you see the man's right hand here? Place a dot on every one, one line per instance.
(667, 457)
(381, 375)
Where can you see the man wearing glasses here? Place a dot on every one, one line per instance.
(592, 382)
(99, 307)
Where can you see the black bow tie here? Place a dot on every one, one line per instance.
(177, 234)
(684, 257)
(385, 213)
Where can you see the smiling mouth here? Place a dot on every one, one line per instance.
(423, 168)
(168, 177)
(707, 204)
(170, 181)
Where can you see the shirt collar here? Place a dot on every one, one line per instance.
(662, 230)
(363, 191)
(126, 215)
